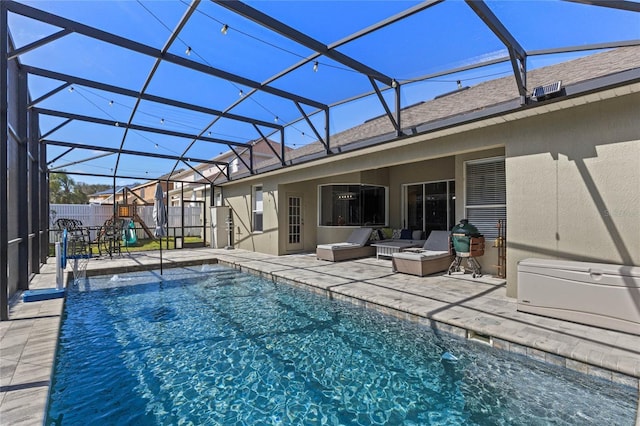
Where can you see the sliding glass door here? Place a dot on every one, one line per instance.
(430, 206)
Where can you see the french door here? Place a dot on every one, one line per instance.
(295, 223)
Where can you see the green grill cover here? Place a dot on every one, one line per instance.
(461, 236)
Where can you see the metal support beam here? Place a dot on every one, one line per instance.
(22, 184)
(135, 127)
(129, 152)
(631, 6)
(301, 38)
(375, 27)
(58, 127)
(224, 171)
(34, 192)
(516, 52)
(97, 34)
(398, 108)
(195, 171)
(596, 46)
(266, 140)
(391, 20)
(282, 150)
(4, 144)
(84, 160)
(386, 107)
(43, 185)
(24, 49)
(70, 79)
(60, 156)
(174, 35)
(49, 94)
(313, 128)
(239, 156)
(110, 176)
(327, 131)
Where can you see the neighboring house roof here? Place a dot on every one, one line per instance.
(477, 98)
(108, 192)
(152, 182)
(261, 152)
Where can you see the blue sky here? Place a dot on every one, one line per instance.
(443, 37)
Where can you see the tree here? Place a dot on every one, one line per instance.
(90, 189)
(63, 190)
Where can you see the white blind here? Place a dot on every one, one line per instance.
(486, 195)
(486, 183)
(257, 209)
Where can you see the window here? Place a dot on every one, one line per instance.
(430, 206)
(257, 208)
(486, 194)
(353, 205)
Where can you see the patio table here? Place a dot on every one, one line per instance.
(388, 248)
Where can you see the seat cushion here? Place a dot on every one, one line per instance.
(338, 246)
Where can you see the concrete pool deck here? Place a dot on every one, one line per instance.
(476, 309)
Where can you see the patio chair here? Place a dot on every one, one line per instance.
(110, 236)
(78, 239)
(355, 247)
(433, 257)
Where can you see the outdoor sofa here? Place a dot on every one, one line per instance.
(355, 247)
(398, 240)
(434, 256)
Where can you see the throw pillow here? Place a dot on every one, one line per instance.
(388, 233)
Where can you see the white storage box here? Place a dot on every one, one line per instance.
(599, 294)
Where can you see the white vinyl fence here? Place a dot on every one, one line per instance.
(93, 215)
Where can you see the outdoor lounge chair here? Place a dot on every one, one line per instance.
(353, 248)
(433, 257)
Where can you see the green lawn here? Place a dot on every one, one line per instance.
(146, 245)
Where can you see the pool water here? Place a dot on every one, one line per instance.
(213, 346)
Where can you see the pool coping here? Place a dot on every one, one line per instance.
(29, 351)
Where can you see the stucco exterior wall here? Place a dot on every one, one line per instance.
(489, 260)
(239, 198)
(306, 190)
(573, 185)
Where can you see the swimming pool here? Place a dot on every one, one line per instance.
(211, 345)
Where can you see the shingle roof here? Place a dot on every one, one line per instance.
(481, 96)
